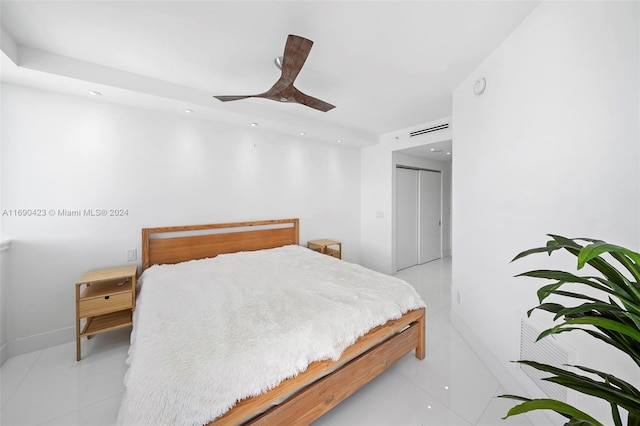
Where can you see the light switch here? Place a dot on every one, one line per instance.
(132, 255)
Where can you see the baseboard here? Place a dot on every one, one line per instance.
(40, 341)
(4, 353)
(510, 382)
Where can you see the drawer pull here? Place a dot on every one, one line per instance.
(106, 298)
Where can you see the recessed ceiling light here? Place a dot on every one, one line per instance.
(94, 93)
(188, 111)
(302, 133)
(448, 153)
(339, 141)
(254, 124)
(435, 150)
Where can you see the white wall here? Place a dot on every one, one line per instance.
(4, 353)
(63, 152)
(4, 339)
(550, 147)
(378, 186)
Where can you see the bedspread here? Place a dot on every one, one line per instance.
(208, 333)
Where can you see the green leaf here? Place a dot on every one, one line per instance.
(613, 318)
(627, 258)
(576, 296)
(557, 406)
(600, 264)
(607, 324)
(576, 422)
(522, 398)
(620, 291)
(567, 243)
(627, 387)
(588, 386)
(622, 346)
(555, 330)
(543, 293)
(600, 247)
(597, 389)
(547, 249)
(587, 308)
(615, 413)
(562, 278)
(547, 290)
(633, 268)
(519, 398)
(633, 418)
(614, 338)
(550, 289)
(549, 307)
(559, 276)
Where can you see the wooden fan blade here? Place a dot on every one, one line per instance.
(232, 98)
(296, 51)
(310, 101)
(295, 54)
(281, 91)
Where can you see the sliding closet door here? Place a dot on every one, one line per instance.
(430, 216)
(406, 218)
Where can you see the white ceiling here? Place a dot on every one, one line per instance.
(386, 65)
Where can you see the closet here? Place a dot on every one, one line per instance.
(418, 216)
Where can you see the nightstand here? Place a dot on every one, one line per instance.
(324, 247)
(105, 300)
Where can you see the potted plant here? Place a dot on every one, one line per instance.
(612, 316)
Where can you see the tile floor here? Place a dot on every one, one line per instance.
(450, 387)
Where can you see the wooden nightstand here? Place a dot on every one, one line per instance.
(323, 246)
(106, 302)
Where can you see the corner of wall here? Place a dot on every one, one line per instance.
(4, 340)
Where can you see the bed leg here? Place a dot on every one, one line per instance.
(420, 349)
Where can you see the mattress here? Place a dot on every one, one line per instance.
(208, 333)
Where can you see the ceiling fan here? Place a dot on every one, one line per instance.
(295, 54)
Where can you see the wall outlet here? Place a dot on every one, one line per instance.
(132, 255)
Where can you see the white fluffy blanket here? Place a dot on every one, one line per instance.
(211, 332)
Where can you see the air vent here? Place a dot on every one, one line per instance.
(547, 351)
(429, 130)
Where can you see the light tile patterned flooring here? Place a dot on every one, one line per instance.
(450, 387)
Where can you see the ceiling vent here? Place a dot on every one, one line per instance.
(429, 130)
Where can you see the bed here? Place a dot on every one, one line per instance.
(300, 398)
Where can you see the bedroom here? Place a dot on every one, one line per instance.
(127, 159)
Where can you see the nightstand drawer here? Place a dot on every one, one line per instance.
(333, 253)
(103, 305)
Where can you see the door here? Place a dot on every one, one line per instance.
(406, 218)
(430, 216)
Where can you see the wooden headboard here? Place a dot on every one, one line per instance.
(176, 244)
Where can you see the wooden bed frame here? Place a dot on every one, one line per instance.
(304, 398)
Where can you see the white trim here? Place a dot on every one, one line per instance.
(41, 341)
(4, 353)
(4, 245)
